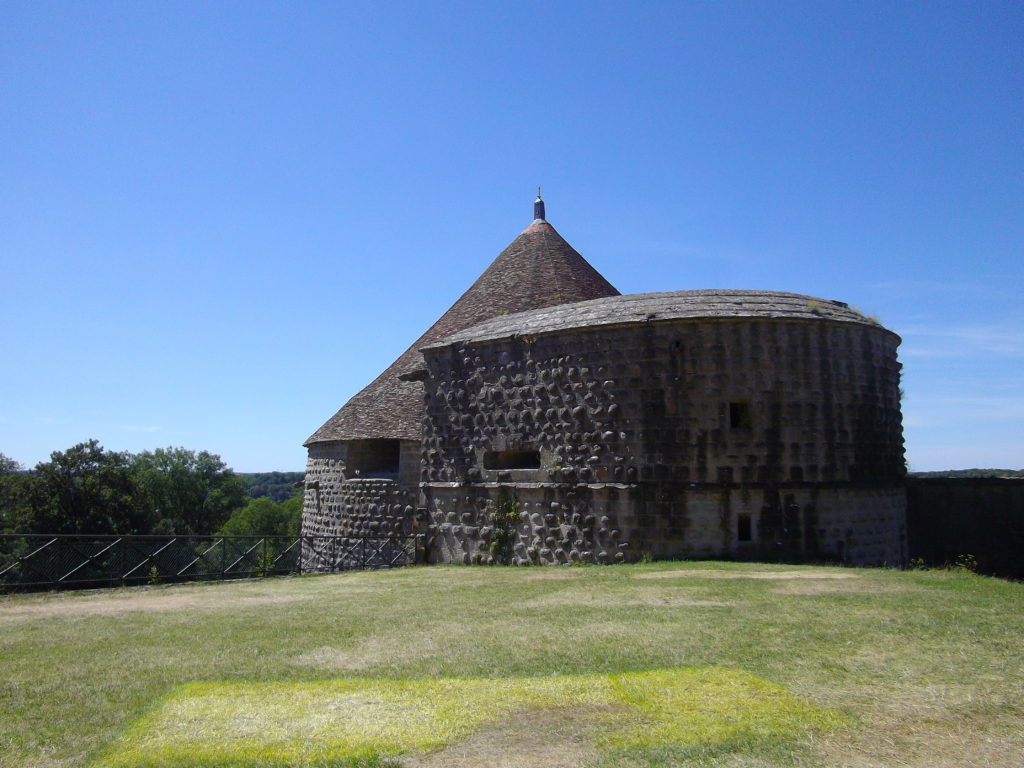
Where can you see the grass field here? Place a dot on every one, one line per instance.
(662, 664)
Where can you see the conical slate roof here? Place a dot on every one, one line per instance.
(537, 269)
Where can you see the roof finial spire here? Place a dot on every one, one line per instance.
(538, 207)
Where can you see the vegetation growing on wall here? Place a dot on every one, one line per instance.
(504, 526)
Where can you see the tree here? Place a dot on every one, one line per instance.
(85, 490)
(13, 495)
(278, 486)
(9, 466)
(263, 517)
(196, 492)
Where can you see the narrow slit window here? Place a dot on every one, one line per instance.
(512, 460)
(739, 415)
(743, 528)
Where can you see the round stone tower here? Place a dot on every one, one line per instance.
(363, 468)
(721, 423)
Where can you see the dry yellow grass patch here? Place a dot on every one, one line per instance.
(546, 573)
(649, 596)
(568, 742)
(372, 652)
(816, 574)
(916, 742)
(534, 721)
(135, 599)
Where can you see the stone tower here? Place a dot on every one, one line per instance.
(547, 419)
(695, 424)
(363, 468)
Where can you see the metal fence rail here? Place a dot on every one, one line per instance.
(40, 561)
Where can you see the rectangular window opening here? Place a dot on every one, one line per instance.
(374, 458)
(512, 460)
(739, 415)
(743, 528)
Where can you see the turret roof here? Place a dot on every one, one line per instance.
(537, 269)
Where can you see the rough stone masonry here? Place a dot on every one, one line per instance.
(608, 428)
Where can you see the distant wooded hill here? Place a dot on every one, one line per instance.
(972, 473)
(276, 486)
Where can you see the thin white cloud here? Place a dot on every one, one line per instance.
(54, 420)
(934, 411)
(1001, 340)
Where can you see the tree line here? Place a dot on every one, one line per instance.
(1012, 473)
(168, 491)
(278, 486)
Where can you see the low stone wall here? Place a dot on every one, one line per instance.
(369, 507)
(356, 508)
(322, 504)
(337, 504)
(981, 517)
(608, 523)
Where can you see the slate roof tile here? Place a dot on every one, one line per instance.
(537, 269)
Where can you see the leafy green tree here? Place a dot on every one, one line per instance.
(279, 486)
(263, 517)
(14, 483)
(195, 491)
(85, 489)
(9, 466)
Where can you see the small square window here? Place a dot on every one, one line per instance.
(739, 415)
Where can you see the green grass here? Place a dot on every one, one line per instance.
(663, 664)
(301, 723)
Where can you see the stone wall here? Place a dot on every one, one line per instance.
(336, 504)
(982, 517)
(559, 524)
(655, 438)
(655, 403)
(322, 497)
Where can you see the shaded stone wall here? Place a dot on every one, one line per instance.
(409, 464)
(322, 497)
(982, 517)
(554, 524)
(336, 504)
(653, 403)
(559, 524)
(670, 431)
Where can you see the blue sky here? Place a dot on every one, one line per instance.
(218, 221)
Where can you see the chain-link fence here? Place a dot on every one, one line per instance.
(39, 561)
